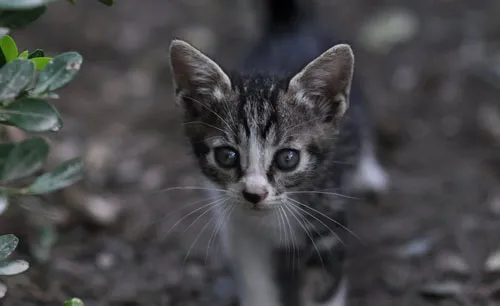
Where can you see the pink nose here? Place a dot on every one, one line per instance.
(255, 197)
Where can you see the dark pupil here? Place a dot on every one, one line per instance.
(226, 157)
(287, 159)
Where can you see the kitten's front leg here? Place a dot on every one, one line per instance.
(252, 268)
(325, 280)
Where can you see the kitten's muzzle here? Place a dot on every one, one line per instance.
(255, 198)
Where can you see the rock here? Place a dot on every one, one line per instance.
(492, 264)
(98, 157)
(99, 209)
(488, 119)
(104, 210)
(388, 28)
(444, 289)
(105, 260)
(494, 204)
(417, 247)
(452, 262)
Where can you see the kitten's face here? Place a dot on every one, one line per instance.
(256, 137)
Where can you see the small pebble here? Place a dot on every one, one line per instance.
(492, 263)
(105, 260)
(452, 262)
(445, 289)
(103, 210)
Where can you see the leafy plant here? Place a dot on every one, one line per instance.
(28, 81)
(8, 244)
(74, 302)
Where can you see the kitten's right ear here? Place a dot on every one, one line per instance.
(195, 73)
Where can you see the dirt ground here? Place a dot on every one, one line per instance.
(432, 240)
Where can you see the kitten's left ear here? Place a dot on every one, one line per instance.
(194, 72)
(327, 80)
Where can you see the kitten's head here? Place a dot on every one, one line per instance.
(261, 137)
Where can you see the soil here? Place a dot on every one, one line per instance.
(434, 96)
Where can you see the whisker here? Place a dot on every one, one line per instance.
(317, 219)
(189, 188)
(327, 217)
(294, 247)
(212, 206)
(199, 235)
(285, 234)
(205, 124)
(209, 205)
(219, 223)
(307, 233)
(216, 114)
(324, 192)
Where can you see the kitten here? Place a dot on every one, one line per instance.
(282, 146)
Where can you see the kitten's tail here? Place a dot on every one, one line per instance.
(285, 15)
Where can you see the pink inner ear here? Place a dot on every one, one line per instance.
(329, 74)
(194, 71)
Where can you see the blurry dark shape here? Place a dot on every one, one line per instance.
(398, 275)
(16, 19)
(285, 15)
(107, 2)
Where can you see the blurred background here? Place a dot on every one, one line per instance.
(431, 72)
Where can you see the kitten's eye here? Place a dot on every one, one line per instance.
(287, 159)
(226, 157)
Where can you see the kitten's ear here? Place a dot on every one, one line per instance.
(195, 73)
(327, 80)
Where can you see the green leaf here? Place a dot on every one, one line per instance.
(36, 53)
(8, 243)
(41, 62)
(24, 54)
(71, 1)
(32, 115)
(9, 48)
(74, 302)
(48, 95)
(41, 248)
(5, 149)
(107, 2)
(19, 19)
(4, 203)
(13, 267)
(26, 158)
(60, 71)
(14, 77)
(3, 31)
(62, 176)
(22, 4)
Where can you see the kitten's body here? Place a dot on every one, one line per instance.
(280, 144)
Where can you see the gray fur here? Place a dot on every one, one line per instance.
(258, 115)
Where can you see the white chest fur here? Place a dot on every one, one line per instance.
(249, 242)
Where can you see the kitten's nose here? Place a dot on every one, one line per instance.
(255, 197)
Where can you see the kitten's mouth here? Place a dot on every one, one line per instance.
(260, 208)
